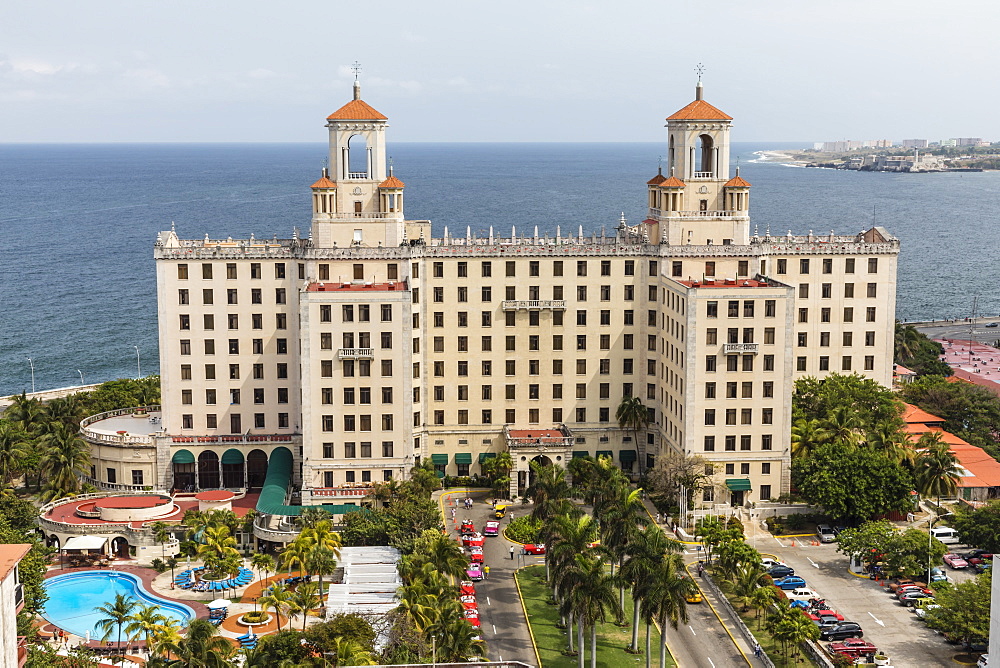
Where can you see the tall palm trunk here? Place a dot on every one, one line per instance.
(647, 645)
(569, 631)
(635, 622)
(663, 641)
(579, 641)
(593, 645)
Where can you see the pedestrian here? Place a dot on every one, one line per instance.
(512, 552)
(657, 518)
(701, 569)
(486, 572)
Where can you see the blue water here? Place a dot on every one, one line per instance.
(73, 599)
(77, 223)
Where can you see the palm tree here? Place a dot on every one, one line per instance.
(843, 426)
(279, 599)
(907, 342)
(145, 622)
(311, 516)
(645, 553)
(68, 410)
(458, 641)
(760, 599)
(666, 600)
(891, 440)
(806, 436)
(295, 555)
(548, 490)
(937, 471)
(304, 600)
(201, 648)
(218, 550)
(115, 614)
(262, 562)
(620, 524)
(65, 457)
(593, 599)
(447, 556)
(13, 450)
(633, 416)
(325, 547)
(747, 578)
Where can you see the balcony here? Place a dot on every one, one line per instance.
(735, 348)
(533, 304)
(355, 353)
(18, 597)
(704, 175)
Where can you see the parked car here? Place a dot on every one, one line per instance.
(842, 631)
(825, 617)
(922, 611)
(472, 540)
(802, 594)
(469, 602)
(531, 548)
(984, 661)
(472, 616)
(467, 588)
(492, 529)
(993, 324)
(912, 597)
(769, 563)
(476, 555)
(938, 575)
(894, 586)
(790, 582)
(977, 553)
(694, 596)
(825, 533)
(780, 571)
(946, 535)
(499, 512)
(467, 527)
(955, 561)
(909, 589)
(853, 647)
(474, 572)
(981, 563)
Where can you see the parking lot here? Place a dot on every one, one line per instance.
(894, 629)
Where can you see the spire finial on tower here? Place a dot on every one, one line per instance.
(356, 68)
(699, 89)
(390, 165)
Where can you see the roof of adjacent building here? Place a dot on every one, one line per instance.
(672, 182)
(337, 286)
(979, 469)
(656, 180)
(10, 555)
(727, 283)
(391, 182)
(357, 110)
(324, 183)
(913, 414)
(737, 182)
(699, 110)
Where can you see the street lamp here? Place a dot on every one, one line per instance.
(138, 367)
(434, 650)
(81, 376)
(31, 362)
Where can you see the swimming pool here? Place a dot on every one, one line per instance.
(74, 598)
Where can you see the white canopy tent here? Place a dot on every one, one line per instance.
(218, 603)
(86, 543)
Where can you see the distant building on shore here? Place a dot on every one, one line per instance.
(851, 145)
(913, 143)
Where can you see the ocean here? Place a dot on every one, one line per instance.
(77, 224)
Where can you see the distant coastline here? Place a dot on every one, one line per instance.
(783, 157)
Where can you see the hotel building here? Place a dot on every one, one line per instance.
(347, 356)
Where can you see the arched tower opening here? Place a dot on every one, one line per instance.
(357, 157)
(706, 152)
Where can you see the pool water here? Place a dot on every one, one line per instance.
(75, 597)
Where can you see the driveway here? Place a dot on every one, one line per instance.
(893, 628)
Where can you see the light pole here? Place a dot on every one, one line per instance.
(32, 363)
(81, 376)
(434, 652)
(138, 367)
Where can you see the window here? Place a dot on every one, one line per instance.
(734, 309)
(710, 362)
(824, 363)
(581, 414)
(803, 290)
(767, 416)
(848, 314)
(232, 296)
(803, 315)
(848, 338)
(710, 269)
(185, 322)
(869, 362)
(487, 417)
(486, 269)
(826, 290)
(804, 266)
(873, 289)
(802, 339)
(730, 444)
(782, 266)
(712, 309)
(709, 444)
(709, 417)
(800, 363)
(873, 265)
(182, 272)
(828, 266)
(581, 267)
(279, 295)
(768, 362)
(845, 363)
(745, 442)
(743, 268)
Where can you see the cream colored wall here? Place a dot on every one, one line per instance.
(124, 460)
(8, 619)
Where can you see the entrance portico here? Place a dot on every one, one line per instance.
(546, 446)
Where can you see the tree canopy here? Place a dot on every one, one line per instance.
(979, 527)
(969, 411)
(852, 484)
(864, 402)
(918, 353)
(965, 609)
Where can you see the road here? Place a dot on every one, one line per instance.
(504, 627)
(961, 330)
(893, 628)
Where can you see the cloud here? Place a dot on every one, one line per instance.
(147, 78)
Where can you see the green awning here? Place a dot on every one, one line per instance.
(627, 456)
(182, 457)
(439, 459)
(342, 508)
(440, 473)
(463, 457)
(232, 456)
(605, 453)
(483, 456)
(580, 454)
(738, 484)
(275, 489)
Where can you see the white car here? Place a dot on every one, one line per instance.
(768, 562)
(802, 594)
(922, 612)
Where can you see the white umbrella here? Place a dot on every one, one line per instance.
(218, 603)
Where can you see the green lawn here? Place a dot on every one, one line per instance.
(611, 640)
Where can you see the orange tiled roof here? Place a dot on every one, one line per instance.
(737, 182)
(913, 414)
(656, 180)
(356, 110)
(324, 183)
(699, 110)
(672, 182)
(391, 182)
(10, 555)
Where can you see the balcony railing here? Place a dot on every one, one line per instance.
(357, 175)
(355, 353)
(118, 439)
(704, 175)
(533, 304)
(705, 214)
(730, 348)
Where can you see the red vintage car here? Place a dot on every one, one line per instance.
(469, 602)
(467, 588)
(467, 527)
(822, 617)
(531, 548)
(472, 540)
(472, 616)
(476, 555)
(853, 647)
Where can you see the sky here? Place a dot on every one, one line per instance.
(549, 70)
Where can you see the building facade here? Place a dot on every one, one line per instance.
(371, 345)
(12, 647)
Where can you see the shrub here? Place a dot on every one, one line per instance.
(256, 617)
(524, 529)
(159, 565)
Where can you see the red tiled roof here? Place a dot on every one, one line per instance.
(726, 283)
(981, 470)
(391, 182)
(324, 183)
(737, 182)
(672, 182)
(912, 414)
(656, 180)
(9, 556)
(356, 110)
(699, 110)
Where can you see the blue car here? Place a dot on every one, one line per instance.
(791, 582)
